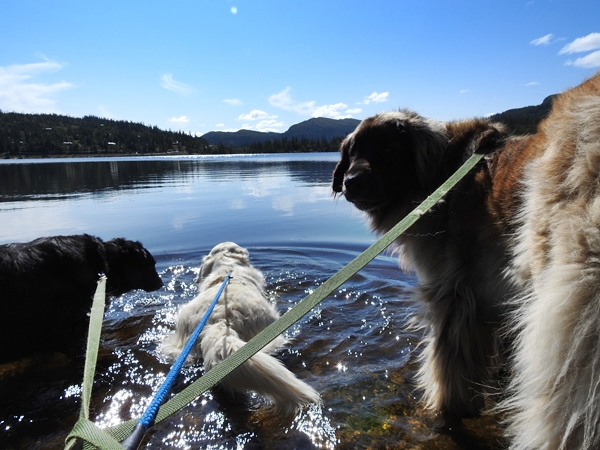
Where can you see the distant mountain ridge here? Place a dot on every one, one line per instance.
(525, 120)
(51, 135)
(518, 120)
(313, 129)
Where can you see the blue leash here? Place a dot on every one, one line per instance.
(133, 440)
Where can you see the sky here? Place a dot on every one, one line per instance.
(224, 65)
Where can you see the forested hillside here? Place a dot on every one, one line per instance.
(24, 135)
(52, 135)
(520, 121)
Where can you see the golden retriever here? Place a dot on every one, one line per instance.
(514, 246)
(241, 313)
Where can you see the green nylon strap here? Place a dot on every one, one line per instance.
(216, 374)
(84, 428)
(95, 330)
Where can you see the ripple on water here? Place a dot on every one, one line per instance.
(354, 348)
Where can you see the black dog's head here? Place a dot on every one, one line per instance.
(388, 158)
(130, 266)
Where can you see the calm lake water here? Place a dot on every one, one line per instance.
(354, 349)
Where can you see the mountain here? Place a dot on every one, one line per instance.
(51, 135)
(518, 120)
(312, 129)
(525, 120)
(43, 135)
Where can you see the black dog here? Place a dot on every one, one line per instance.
(47, 286)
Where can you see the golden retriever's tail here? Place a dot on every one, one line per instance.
(262, 373)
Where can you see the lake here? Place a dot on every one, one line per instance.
(354, 348)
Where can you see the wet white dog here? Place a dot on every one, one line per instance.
(241, 313)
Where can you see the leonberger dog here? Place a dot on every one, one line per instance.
(508, 263)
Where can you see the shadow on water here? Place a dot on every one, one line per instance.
(353, 348)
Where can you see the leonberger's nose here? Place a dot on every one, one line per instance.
(355, 183)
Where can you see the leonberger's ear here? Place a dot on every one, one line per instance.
(342, 167)
(428, 140)
(488, 140)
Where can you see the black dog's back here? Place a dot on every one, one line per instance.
(47, 286)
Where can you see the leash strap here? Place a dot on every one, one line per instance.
(216, 374)
(133, 440)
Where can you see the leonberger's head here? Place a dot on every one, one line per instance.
(388, 159)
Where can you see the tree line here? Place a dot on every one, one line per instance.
(52, 135)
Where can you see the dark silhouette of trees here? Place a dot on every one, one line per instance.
(52, 135)
(46, 135)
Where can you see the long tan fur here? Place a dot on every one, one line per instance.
(509, 264)
(555, 401)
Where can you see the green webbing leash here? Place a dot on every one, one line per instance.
(212, 377)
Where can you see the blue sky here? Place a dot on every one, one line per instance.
(207, 65)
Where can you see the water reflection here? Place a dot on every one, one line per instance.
(47, 180)
(174, 204)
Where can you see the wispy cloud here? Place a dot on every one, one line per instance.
(233, 101)
(582, 44)
(532, 83)
(170, 84)
(269, 125)
(256, 114)
(544, 40)
(283, 100)
(18, 91)
(376, 97)
(266, 121)
(587, 62)
(336, 111)
(180, 119)
(464, 91)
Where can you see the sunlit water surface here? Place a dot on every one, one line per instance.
(354, 349)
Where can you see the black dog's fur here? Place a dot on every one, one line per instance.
(47, 286)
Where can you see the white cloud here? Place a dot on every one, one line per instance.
(354, 111)
(582, 44)
(588, 62)
(256, 114)
(170, 84)
(331, 111)
(544, 40)
(233, 101)
(376, 97)
(19, 93)
(269, 125)
(181, 119)
(284, 101)
(464, 91)
(532, 83)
